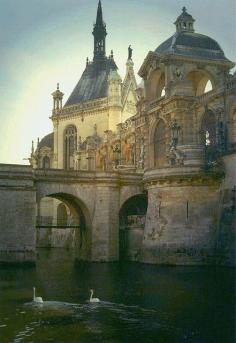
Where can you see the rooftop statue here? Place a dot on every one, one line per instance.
(130, 52)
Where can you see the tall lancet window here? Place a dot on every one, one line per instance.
(160, 144)
(70, 142)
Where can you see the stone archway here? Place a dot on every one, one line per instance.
(69, 227)
(132, 217)
(202, 81)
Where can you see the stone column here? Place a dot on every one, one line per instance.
(105, 236)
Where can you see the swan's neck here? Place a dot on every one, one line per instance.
(91, 295)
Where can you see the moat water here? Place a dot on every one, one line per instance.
(139, 303)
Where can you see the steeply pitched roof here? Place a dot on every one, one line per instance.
(93, 83)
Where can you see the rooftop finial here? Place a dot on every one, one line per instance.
(184, 9)
(58, 86)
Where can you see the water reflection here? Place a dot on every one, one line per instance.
(144, 303)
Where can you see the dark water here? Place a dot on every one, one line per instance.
(140, 303)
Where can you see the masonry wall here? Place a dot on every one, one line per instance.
(17, 214)
(181, 224)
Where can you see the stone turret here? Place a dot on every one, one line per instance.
(57, 99)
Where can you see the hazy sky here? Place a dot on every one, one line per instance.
(47, 41)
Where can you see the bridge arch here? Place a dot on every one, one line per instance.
(132, 217)
(79, 220)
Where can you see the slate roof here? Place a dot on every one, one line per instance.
(93, 83)
(47, 141)
(193, 45)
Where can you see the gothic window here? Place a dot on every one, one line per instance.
(160, 144)
(46, 162)
(70, 140)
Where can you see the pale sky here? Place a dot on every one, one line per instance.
(47, 41)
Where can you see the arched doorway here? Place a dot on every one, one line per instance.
(63, 221)
(131, 223)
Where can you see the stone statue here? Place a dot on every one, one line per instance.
(127, 152)
(175, 129)
(130, 52)
(95, 127)
(175, 156)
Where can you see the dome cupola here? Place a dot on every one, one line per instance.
(184, 22)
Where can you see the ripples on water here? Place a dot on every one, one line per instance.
(140, 303)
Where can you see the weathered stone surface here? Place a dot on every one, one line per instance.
(17, 214)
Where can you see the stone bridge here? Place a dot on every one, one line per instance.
(99, 196)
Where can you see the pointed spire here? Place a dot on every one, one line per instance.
(99, 32)
(99, 20)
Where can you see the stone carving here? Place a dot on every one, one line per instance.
(178, 74)
(175, 130)
(175, 156)
(116, 154)
(101, 159)
(127, 152)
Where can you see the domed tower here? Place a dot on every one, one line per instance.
(186, 103)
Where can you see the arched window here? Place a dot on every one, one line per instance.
(70, 142)
(201, 82)
(160, 144)
(155, 85)
(61, 215)
(46, 162)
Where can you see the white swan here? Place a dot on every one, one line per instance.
(37, 299)
(91, 299)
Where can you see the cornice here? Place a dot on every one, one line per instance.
(82, 110)
(183, 176)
